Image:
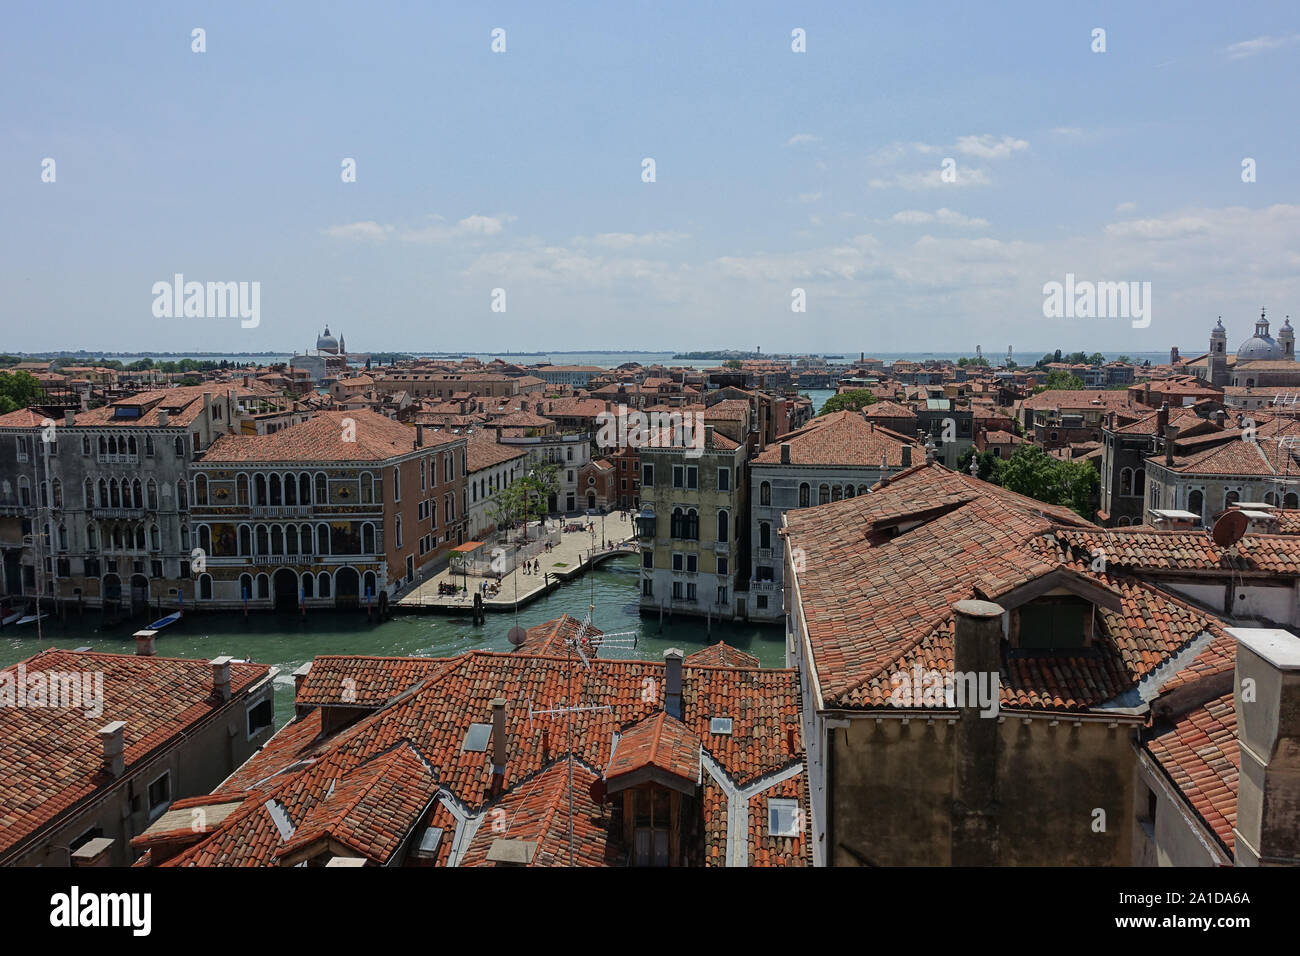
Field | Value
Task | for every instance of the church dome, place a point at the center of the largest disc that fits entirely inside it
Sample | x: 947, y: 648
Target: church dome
x: 1261, y: 345
x: 327, y: 342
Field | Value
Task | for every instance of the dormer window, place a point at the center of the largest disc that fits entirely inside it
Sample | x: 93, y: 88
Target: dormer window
x: 1055, y: 622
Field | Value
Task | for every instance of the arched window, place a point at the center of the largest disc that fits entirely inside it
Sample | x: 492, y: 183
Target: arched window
x: 836, y: 493
x: 724, y: 527
x: 259, y: 490
x: 848, y: 491
x: 765, y: 493
x: 56, y: 487
x: 245, y: 540
x: 275, y: 497
x: 765, y: 534
x: 131, y: 446
x: 241, y: 489
x: 1139, y: 482
x: 323, y: 580
x: 245, y: 587
x: 290, y: 539
x: 805, y: 493
x: 103, y: 446
x: 1231, y: 498
x: 367, y: 538
x: 115, y: 495
x: 92, y: 539
x: 45, y: 494
x: 182, y: 496
x: 1270, y: 499
x: 180, y: 447
x: 692, y: 525
x: 397, y: 529
x: 308, y: 585
x: 322, y: 494
x: 323, y: 543
x: 137, y: 494
x: 263, y: 586
x: 1126, y: 482
x: 148, y: 446
x: 368, y: 585
x: 277, y: 539
x: 823, y: 494
x: 304, y: 489
x: 1196, y: 502
x: 63, y: 538
x: 155, y: 540
x: 367, y: 488
x: 205, y: 539
x: 1291, y: 500
x: 103, y: 494
x: 263, y: 540
x: 290, y: 490
x: 676, y: 527
x: 205, y: 587
x: 305, y: 539
x: 862, y: 489
x: 185, y: 537
x: 139, y: 537
x: 151, y: 495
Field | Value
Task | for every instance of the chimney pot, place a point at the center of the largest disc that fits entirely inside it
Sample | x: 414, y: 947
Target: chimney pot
x: 221, y: 677
x: 498, y: 744
x: 673, y: 682
x: 69, y: 418
x: 162, y: 417
x: 144, y: 643
x: 112, y: 737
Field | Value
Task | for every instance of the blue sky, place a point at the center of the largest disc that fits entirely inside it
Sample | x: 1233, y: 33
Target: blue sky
x: 521, y: 170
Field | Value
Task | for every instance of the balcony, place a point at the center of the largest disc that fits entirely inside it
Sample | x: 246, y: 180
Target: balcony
x: 137, y: 513
x: 280, y: 511
x: 121, y: 459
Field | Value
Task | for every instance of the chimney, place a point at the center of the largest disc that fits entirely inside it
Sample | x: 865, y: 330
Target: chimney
x: 69, y: 418
x: 907, y: 456
x: 162, y: 417
x: 1162, y: 419
x: 785, y: 453
x: 708, y: 435
x: 1221, y: 418
x: 144, y: 643
x: 673, y: 682
x: 977, y: 655
x: 221, y: 677
x: 1146, y: 393
x: 419, y: 436
x: 245, y: 381
x: 95, y: 853
x: 111, y: 735
x: 1267, y: 701
x: 498, y: 744
x: 1171, y: 437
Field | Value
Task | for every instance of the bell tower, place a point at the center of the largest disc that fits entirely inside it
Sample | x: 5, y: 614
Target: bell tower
x: 1217, y: 373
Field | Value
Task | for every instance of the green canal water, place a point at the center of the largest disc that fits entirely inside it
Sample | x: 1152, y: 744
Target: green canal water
x: 287, y: 641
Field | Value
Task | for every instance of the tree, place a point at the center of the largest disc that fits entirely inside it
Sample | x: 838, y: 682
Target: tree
x: 1096, y: 358
x: 853, y: 400
x: 732, y: 363
x: 1060, y: 379
x: 18, y: 390
x: 979, y: 361
x: 1124, y: 360
x: 987, y: 463
x: 1032, y: 472
x: 527, y: 498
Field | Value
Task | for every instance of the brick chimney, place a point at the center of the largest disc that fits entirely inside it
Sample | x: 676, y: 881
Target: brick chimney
x: 673, y: 682
x: 221, y: 677
x: 1267, y: 701
x: 112, y: 737
x: 1171, y: 437
x: 977, y: 652
x: 69, y: 418
x: 419, y: 436
x: 498, y: 744
x: 1162, y: 419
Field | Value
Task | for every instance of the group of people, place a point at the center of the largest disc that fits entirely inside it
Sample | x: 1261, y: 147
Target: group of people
x: 532, y: 567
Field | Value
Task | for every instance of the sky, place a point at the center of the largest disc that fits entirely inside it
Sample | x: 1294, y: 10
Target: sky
x: 919, y: 171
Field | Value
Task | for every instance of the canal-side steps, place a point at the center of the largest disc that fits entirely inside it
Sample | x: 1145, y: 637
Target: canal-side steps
x: 425, y: 599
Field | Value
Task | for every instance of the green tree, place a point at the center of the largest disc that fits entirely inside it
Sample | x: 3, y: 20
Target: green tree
x: 1096, y: 358
x: 527, y: 498
x: 1060, y: 379
x: 1032, y: 472
x: 987, y: 463
x: 851, y: 401
x: 732, y: 363
x: 18, y: 390
x: 1124, y: 360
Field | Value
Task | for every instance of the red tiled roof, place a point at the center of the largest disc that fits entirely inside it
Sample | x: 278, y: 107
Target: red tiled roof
x: 721, y: 654
x: 51, y: 759
x: 841, y: 438
x: 659, y: 742
x: 1201, y: 755
x: 321, y: 438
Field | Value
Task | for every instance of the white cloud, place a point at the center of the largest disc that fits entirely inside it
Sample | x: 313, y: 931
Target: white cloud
x: 1067, y: 131
x: 1248, y: 48
x: 799, y: 139
x: 364, y: 231
x: 1126, y: 207
x: 987, y: 146
x: 943, y: 217
x: 931, y: 179
x: 627, y: 240
x: 1177, y: 228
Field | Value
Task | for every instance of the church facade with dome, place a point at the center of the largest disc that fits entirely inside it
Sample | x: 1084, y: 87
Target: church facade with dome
x: 1260, y: 361
x: 327, y: 362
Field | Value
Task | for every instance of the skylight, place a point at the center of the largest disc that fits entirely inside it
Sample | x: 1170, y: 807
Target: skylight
x: 720, y: 725
x: 782, y: 817
x: 476, y: 738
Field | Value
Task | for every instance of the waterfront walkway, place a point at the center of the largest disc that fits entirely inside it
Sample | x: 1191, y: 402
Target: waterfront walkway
x: 573, y: 556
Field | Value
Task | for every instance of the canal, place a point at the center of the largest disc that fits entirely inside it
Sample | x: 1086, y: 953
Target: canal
x: 288, y: 641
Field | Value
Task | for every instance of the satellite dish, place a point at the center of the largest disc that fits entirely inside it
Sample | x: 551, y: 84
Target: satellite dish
x: 1230, y: 527
x: 516, y: 635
